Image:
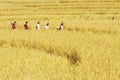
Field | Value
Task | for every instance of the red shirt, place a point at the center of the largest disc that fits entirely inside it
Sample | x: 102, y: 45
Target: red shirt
x: 26, y: 26
x: 13, y: 26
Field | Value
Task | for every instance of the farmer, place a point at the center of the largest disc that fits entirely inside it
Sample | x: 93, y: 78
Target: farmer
x: 47, y: 26
x: 13, y: 25
x: 61, y: 26
x: 38, y: 25
x: 26, y: 25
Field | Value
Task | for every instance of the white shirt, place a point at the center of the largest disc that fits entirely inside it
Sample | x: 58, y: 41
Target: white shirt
x: 61, y: 27
x: 38, y: 26
x: 46, y: 27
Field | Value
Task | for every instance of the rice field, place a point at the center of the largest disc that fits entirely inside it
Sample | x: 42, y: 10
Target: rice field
x: 87, y: 48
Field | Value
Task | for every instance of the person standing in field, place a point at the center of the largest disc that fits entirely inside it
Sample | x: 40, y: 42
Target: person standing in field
x: 26, y: 25
x: 61, y: 26
x: 38, y: 25
x: 13, y: 25
x: 47, y: 26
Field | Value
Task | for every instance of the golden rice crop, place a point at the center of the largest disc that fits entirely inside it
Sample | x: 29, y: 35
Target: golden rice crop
x: 87, y: 49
